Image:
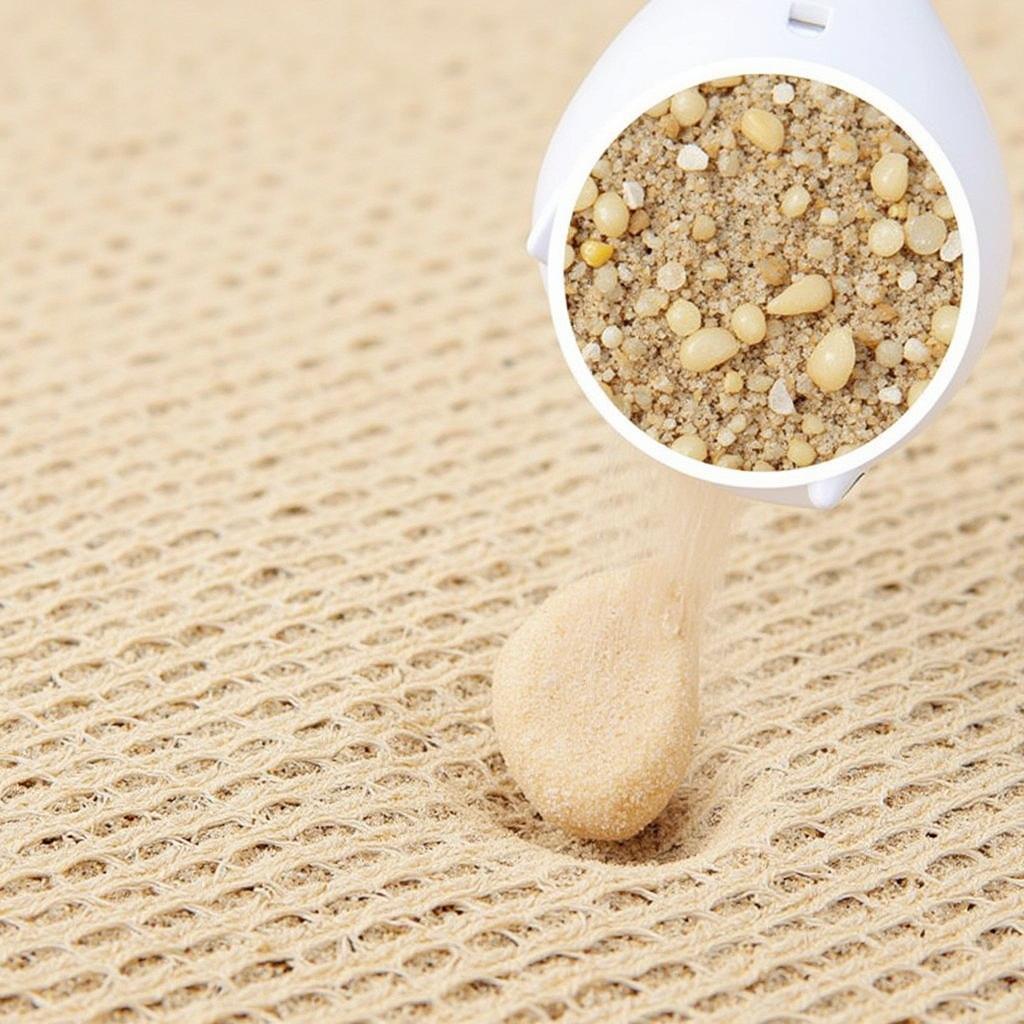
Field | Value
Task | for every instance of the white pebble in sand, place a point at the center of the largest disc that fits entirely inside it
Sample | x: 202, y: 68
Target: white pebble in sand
x: 780, y: 400
x: 595, y: 703
x: 692, y: 158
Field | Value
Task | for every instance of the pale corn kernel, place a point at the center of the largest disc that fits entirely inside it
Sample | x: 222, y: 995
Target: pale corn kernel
x: 692, y: 158
x: 795, y: 201
x: 759, y: 383
x: 729, y: 462
x: 953, y: 248
x: 926, y: 234
x: 890, y: 395
x: 828, y: 218
x: 569, y: 258
x: 783, y: 94
x: 704, y: 228
x: 890, y: 177
x: 726, y: 83
x: 774, y: 270
x: 831, y: 363
x: 671, y: 277
x: 691, y: 446
x: 611, y: 215
x: 684, y: 318
x: 591, y: 352
x: 602, y: 169
x: 611, y: 337
x: 917, y: 389
x: 889, y: 353
x: 943, y: 208
x: 587, y: 195
x: 748, y: 324
x: 915, y: 351
x: 812, y: 425
x: 733, y: 383
x: 779, y: 399
x: 763, y: 467
x: 724, y: 438
x: 944, y: 323
x: 844, y: 150
x: 688, y: 107
x: 650, y: 302
x: 810, y: 294
x: 885, y: 237
x: 595, y: 253
x: 707, y: 348
x: 659, y: 109
x: 714, y: 270
x: 738, y: 423
x: 763, y: 129
x: 800, y: 453
x: 844, y: 449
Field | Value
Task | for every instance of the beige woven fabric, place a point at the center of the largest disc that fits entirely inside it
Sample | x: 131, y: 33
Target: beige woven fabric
x: 287, y: 450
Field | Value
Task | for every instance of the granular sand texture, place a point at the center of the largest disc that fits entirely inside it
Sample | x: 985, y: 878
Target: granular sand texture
x: 595, y: 697
x: 763, y: 273
x: 595, y: 704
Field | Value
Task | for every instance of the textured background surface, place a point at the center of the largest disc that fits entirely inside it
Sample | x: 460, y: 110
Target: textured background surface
x: 286, y: 451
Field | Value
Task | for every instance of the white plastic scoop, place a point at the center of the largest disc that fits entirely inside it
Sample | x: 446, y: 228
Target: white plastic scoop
x: 893, y: 54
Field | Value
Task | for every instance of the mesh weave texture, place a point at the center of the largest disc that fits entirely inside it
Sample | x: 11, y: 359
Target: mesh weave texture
x: 287, y: 450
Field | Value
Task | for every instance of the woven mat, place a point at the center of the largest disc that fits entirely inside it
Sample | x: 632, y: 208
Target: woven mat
x: 287, y: 450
